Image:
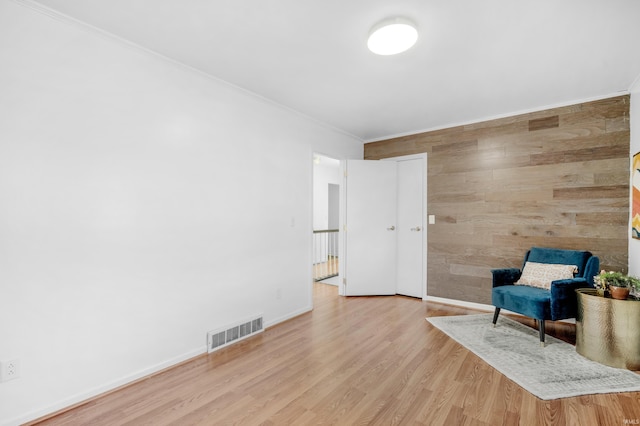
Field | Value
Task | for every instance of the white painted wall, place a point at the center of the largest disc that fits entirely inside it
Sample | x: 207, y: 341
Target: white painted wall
x: 142, y: 204
x: 634, y: 244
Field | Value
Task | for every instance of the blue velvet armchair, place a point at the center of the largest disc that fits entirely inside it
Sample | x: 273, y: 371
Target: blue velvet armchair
x: 559, y: 302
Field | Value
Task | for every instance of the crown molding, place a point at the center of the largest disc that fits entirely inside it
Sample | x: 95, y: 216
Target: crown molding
x: 506, y: 115
x: 66, y: 19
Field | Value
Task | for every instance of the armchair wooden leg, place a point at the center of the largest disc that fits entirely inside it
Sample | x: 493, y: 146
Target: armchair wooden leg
x: 495, y: 316
x: 541, y: 330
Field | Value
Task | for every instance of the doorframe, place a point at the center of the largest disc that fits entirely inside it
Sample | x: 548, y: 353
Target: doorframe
x: 341, y: 160
x: 425, y: 163
x: 342, y: 218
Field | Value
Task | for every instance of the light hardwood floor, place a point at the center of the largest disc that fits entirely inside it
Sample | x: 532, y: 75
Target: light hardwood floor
x: 352, y: 361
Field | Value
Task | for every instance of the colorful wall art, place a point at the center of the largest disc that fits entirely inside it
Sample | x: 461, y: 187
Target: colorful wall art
x: 635, y: 210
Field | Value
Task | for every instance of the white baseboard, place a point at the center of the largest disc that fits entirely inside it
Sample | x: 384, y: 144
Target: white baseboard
x: 288, y: 317
x: 480, y: 306
x: 100, y: 390
x: 461, y: 303
x: 123, y: 381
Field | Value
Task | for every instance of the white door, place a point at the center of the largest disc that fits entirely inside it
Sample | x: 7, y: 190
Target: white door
x: 410, y: 228
x: 370, y: 235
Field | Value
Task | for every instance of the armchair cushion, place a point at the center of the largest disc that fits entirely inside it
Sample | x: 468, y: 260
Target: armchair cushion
x: 529, y: 301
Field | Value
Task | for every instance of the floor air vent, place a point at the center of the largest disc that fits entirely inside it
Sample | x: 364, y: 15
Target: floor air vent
x: 225, y: 336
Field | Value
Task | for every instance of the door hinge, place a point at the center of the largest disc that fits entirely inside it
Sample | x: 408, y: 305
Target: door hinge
x: 344, y: 282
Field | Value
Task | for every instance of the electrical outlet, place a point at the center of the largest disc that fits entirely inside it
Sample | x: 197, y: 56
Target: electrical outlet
x: 9, y: 370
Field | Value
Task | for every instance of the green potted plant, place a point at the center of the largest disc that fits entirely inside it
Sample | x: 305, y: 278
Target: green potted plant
x: 617, y: 284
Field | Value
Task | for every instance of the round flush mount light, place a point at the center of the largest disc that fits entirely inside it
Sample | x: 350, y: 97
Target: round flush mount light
x: 392, y: 36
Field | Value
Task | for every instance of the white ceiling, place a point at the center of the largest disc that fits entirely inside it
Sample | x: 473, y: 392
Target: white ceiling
x: 474, y: 59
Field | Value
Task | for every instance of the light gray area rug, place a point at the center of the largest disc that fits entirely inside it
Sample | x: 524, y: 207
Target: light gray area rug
x: 555, y: 371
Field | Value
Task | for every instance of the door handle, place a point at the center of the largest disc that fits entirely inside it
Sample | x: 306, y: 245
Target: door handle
x: 417, y: 229
x: 391, y: 228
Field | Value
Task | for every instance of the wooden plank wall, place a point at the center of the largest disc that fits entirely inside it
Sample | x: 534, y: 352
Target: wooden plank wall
x: 554, y: 178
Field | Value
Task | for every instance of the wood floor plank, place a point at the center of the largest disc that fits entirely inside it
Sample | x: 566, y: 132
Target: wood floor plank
x: 351, y: 361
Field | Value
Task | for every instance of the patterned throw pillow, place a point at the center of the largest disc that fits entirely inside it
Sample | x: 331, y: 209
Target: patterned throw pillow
x: 541, y: 274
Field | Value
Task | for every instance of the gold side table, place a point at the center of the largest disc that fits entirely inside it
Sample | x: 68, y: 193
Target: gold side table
x: 608, y: 330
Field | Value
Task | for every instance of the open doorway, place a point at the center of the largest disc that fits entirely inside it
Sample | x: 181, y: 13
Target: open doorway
x: 326, y: 207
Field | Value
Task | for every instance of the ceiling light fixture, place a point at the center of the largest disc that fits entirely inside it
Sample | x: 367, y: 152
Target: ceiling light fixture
x: 392, y: 36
